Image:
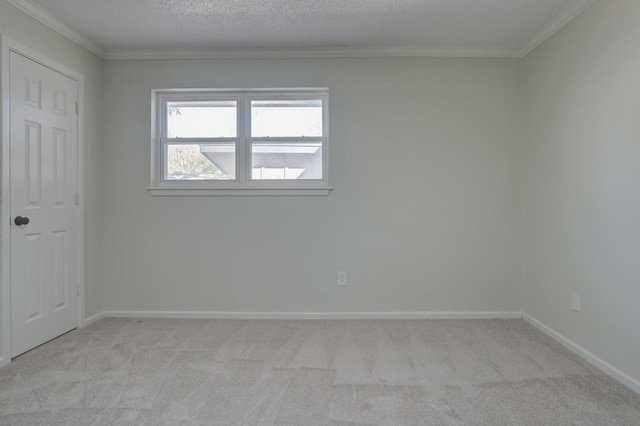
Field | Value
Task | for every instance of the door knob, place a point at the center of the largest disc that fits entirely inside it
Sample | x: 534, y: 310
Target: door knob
x: 19, y: 221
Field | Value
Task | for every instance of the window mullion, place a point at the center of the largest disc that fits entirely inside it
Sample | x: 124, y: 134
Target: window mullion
x: 245, y: 140
x: 284, y: 139
x: 191, y: 141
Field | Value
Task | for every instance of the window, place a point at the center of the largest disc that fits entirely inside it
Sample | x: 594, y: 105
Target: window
x: 249, y: 142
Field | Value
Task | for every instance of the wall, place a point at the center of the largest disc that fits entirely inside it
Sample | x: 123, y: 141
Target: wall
x: 425, y: 214
x: 32, y: 34
x: 582, y: 191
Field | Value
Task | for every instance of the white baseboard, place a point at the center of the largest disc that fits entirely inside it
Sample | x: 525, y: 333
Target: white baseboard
x: 4, y: 361
x: 303, y: 315
x: 607, y: 368
x: 94, y: 318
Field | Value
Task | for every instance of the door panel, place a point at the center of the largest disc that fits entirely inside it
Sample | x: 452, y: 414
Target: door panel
x: 43, y: 162
x: 33, y: 278
x: 33, y: 162
x: 59, y: 166
x: 60, y: 273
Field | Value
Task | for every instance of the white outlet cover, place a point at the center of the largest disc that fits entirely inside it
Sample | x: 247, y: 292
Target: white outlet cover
x: 576, y: 303
x: 342, y: 279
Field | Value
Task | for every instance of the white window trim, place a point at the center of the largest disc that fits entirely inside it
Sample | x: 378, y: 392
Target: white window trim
x: 243, y: 185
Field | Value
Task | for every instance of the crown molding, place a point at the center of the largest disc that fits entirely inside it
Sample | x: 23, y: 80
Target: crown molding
x: 36, y: 12
x: 315, y: 52
x: 50, y: 21
x: 572, y: 11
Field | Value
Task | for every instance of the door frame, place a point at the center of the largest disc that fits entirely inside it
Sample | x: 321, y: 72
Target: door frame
x: 7, y: 46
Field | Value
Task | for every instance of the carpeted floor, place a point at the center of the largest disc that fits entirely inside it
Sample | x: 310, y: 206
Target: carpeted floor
x: 241, y: 372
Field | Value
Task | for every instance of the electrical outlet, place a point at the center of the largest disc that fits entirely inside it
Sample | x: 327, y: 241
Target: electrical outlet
x: 576, y: 302
x: 342, y: 279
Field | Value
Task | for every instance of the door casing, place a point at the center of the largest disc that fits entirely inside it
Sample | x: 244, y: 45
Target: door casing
x: 6, y: 46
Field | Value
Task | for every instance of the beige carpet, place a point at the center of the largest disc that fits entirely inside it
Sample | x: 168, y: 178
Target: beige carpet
x: 237, y: 372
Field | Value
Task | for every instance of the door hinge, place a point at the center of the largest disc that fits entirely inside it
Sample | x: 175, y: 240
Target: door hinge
x: 77, y: 108
x: 77, y: 199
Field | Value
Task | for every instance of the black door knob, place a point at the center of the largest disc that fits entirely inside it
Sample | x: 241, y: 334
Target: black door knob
x: 19, y: 221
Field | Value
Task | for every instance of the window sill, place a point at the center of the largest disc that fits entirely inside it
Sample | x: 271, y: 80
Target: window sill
x: 235, y: 192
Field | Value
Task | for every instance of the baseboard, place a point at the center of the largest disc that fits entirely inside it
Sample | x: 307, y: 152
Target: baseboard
x: 607, y: 368
x: 4, y: 361
x: 94, y: 318
x: 303, y: 315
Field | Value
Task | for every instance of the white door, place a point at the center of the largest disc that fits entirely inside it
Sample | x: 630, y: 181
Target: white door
x: 43, y: 162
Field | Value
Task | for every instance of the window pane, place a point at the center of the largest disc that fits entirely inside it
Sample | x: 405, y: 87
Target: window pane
x: 201, y: 161
x: 206, y: 119
x: 288, y: 118
x: 286, y: 160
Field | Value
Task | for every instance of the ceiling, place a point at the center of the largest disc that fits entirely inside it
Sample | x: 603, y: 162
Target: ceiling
x: 113, y: 28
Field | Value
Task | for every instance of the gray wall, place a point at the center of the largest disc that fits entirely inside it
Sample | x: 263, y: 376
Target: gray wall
x: 425, y: 214
x: 582, y: 193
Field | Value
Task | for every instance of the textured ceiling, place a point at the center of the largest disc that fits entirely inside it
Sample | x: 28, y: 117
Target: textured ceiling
x: 236, y: 24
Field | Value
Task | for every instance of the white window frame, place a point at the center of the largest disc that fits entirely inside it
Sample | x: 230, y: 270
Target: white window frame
x: 243, y: 184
